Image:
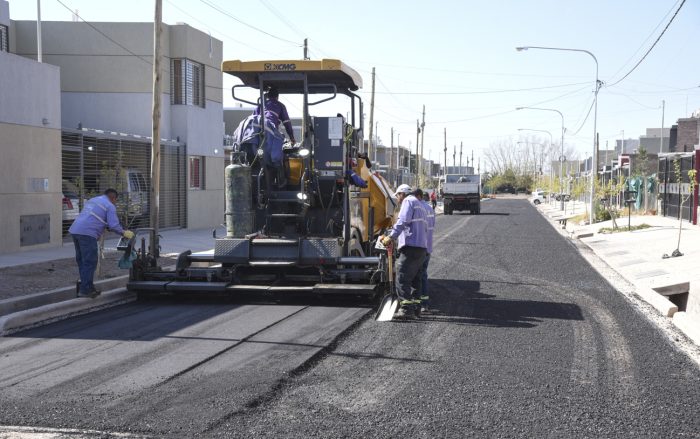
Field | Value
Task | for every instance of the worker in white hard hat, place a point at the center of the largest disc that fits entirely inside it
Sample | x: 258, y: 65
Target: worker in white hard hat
x: 411, y: 232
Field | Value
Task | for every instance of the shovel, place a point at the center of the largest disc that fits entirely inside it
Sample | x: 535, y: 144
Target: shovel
x: 390, y: 301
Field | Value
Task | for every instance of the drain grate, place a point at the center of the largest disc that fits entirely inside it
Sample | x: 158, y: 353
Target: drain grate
x: 631, y: 262
x: 650, y: 273
x: 617, y: 253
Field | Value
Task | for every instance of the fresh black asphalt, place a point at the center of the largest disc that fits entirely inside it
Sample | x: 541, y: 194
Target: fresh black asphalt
x: 527, y: 341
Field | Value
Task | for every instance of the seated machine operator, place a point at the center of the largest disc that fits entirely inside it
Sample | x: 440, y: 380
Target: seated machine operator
x: 275, y: 114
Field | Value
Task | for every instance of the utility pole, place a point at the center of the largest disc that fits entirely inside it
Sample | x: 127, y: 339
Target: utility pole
x: 371, y: 118
x: 444, y: 172
x: 472, y: 159
x: 417, y: 167
x: 661, y: 136
x: 376, y: 138
x: 306, y: 48
x: 38, y: 31
x: 454, y: 155
x: 391, y: 152
x: 155, y: 135
x: 422, y: 139
x: 478, y: 167
x: 460, y: 158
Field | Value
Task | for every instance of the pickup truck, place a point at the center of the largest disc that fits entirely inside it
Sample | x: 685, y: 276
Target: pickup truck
x: 462, y: 192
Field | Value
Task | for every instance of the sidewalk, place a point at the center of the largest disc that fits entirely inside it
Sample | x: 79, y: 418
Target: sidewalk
x: 671, y: 285
x: 172, y: 242
x: 39, y: 285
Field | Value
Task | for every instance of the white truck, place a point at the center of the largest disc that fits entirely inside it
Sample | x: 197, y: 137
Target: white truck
x: 461, y: 192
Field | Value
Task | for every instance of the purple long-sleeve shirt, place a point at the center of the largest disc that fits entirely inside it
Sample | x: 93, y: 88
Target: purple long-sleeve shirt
x: 98, y: 214
x: 431, y: 225
x: 411, y: 227
x: 276, y: 112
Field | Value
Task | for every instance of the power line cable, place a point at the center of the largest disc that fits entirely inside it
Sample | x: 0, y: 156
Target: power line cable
x: 231, y: 16
x: 105, y: 35
x: 586, y: 118
x: 215, y: 30
x: 651, y: 34
x: 282, y: 18
x: 652, y: 46
x: 464, y: 72
x: 514, y: 90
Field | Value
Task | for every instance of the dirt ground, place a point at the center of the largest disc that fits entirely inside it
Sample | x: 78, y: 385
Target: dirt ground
x: 33, y: 278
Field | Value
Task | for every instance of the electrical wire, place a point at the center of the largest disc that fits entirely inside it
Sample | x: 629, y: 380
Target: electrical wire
x: 514, y: 90
x: 231, y: 16
x: 464, y: 72
x: 651, y: 34
x: 634, y: 100
x: 215, y: 30
x: 652, y: 46
x: 104, y: 34
x: 585, y: 119
x: 282, y: 18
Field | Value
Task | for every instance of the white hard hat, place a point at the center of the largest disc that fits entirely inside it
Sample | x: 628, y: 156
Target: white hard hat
x: 403, y: 189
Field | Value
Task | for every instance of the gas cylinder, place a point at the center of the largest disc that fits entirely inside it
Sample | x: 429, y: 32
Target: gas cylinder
x: 239, y: 198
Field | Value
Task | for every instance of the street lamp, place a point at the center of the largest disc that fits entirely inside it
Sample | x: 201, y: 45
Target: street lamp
x: 561, y: 158
x: 598, y: 83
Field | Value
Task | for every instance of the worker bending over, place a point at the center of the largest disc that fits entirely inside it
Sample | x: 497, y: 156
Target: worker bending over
x: 411, y: 231
x: 98, y: 214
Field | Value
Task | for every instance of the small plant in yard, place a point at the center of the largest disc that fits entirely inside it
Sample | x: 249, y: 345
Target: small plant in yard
x: 684, y: 195
x: 607, y: 192
x: 607, y: 230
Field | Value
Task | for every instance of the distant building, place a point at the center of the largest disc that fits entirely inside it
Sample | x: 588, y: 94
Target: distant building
x: 107, y: 89
x: 626, y: 146
x: 687, y: 135
x: 30, y: 141
x: 654, y: 139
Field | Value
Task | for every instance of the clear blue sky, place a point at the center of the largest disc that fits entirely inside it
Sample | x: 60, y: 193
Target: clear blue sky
x: 454, y: 51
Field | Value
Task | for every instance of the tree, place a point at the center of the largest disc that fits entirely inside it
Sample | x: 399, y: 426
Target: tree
x: 641, y: 169
x: 604, y: 193
x: 684, y: 196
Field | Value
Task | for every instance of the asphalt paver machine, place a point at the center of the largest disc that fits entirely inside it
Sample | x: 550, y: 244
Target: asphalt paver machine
x: 305, y: 227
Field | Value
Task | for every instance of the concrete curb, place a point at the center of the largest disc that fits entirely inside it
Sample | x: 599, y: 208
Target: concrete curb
x: 658, y: 301
x: 688, y: 324
x: 62, y: 310
x: 16, y: 304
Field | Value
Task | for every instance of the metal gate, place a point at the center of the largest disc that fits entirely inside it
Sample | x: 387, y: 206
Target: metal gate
x: 93, y: 161
x: 672, y: 191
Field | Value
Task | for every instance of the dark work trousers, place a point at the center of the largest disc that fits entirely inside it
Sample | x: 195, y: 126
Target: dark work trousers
x: 424, y: 296
x: 86, y: 257
x: 408, y: 268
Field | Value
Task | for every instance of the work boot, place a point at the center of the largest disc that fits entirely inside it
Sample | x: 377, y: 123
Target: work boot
x: 90, y: 294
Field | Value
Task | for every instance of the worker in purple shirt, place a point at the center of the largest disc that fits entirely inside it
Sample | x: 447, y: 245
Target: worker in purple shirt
x: 276, y: 112
x: 425, y: 297
x: 98, y: 214
x: 411, y: 231
x: 273, y: 156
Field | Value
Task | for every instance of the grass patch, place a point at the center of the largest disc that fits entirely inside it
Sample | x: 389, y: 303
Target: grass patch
x: 605, y: 230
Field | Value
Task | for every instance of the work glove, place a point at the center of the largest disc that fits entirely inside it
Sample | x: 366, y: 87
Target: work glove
x: 128, y: 234
x: 386, y: 241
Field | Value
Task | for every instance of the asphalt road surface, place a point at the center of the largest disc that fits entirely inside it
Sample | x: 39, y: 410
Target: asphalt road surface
x: 527, y: 341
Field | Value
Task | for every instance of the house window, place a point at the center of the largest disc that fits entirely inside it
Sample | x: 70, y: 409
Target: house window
x: 186, y: 83
x: 4, y: 39
x: 196, y: 172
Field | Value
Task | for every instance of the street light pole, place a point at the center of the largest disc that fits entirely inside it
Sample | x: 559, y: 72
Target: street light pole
x: 561, y: 158
x: 598, y: 83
